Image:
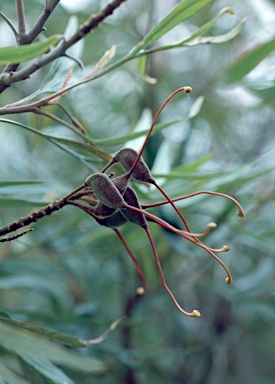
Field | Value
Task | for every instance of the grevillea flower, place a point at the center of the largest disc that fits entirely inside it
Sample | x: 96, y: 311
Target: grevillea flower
x: 112, y: 202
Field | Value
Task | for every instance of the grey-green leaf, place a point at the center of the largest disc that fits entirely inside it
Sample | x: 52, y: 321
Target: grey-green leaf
x: 47, y: 370
x: 248, y: 61
x: 7, y: 376
x: 27, y: 345
x: 23, y: 53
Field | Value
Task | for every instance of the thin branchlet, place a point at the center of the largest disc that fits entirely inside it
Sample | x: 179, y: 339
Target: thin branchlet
x: 44, y: 211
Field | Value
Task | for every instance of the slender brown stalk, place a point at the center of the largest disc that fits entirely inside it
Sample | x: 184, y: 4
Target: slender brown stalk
x: 21, y: 18
x: 134, y: 260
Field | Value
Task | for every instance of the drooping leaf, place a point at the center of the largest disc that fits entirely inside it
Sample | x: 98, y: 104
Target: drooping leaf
x: 206, y: 27
x: 23, y: 53
x: 235, y: 177
x: 181, y: 12
x: 54, y: 291
x: 7, y: 376
x: 198, y: 38
x: 47, y: 370
x: 268, y: 94
x: 50, y: 334
x: 16, y: 183
x: 59, y: 68
x: 133, y: 135
x: 60, y: 337
x: 194, y: 110
x: 27, y: 345
x: 196, y: 107
x: 59, y: 141
x: 219, y: 39
x: 141, y: 63
x: 248, y: 61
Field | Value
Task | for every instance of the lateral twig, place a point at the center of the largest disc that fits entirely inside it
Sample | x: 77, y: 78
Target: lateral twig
x: 5, y: 239
x: 9, y: 76
x: 44, y: 211
x: 21, y: 18
x: 10, y: 24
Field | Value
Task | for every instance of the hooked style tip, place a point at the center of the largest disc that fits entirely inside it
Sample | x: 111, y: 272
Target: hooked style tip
x: 240, y: 212
x: 187, y: 89
x: 228, y: 280
x: 225, y: 248
x: 140, y: 291
x: 212, y: 225
x: 196, y: 313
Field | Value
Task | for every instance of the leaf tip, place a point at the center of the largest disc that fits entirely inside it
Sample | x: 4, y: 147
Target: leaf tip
x: 228, y: 10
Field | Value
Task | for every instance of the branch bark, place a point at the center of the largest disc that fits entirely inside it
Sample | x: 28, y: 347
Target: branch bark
x: 42, y: 212
x: 27, y: 39
x: 21, y: 18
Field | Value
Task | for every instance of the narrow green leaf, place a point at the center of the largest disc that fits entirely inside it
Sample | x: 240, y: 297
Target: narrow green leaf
x: 196, y: 107
x: 22, y: 189
x: 141, y: 64
x: 7, y: 376
x: 23, y: 53
x: 219, y: 39
x: 26, y: 345
x: 50, y: 334
x: 194, y: 110
x: 181, y: 12
x: 60, y: 337
x: 268, y: 94
x: 16, y: 203
x: 58, y: 140
x: 237, y: 179
x: 206, y: 27
x: 197, y: 38
x: 118, y: 140
x: 59, y: 69
x: 44, y: 286
x: 225, y: 37
x: 217, y: 179
x: 262, y: 243
x: 47, y: 370
x: 192, y: 167
x: 248, y: 61
x: 15, y: 183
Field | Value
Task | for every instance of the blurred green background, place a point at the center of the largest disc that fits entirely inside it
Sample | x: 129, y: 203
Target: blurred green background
x: 72, y: 276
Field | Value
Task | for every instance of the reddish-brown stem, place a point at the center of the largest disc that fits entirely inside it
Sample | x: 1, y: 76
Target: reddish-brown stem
x: 240, y: 212
x: 185, y: 235
x: 134, y: 260
x: 175, y: 208
x: 186, y: 90
x: 194, y: 313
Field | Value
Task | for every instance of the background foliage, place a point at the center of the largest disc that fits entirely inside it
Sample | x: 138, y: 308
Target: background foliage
x: 74, y: 277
